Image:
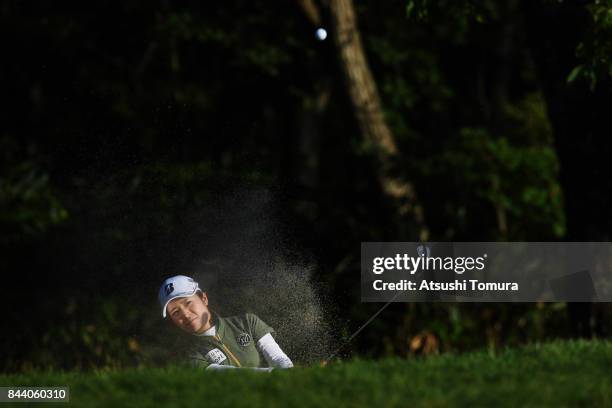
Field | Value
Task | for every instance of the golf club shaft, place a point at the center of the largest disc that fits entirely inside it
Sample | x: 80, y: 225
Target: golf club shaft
x: 363, y: 326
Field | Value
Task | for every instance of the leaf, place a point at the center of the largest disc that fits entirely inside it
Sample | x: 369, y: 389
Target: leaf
x: 409, y: 8
x: 575, y: 73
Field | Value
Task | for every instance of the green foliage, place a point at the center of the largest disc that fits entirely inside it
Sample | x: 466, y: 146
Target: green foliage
x: 486, y: 151
x: 595, y: 50
x: 27, y: 200
x: 29, y: 204
x: 521, y: 179
x: 84, y: 334
x: 554, y: 374
x: 244, y: 45
x: 454, y: 19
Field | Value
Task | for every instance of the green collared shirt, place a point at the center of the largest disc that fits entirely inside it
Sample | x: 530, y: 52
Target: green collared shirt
x: 235, y: 342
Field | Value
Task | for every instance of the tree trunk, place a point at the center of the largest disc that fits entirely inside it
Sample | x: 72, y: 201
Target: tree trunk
x: 370, y: 117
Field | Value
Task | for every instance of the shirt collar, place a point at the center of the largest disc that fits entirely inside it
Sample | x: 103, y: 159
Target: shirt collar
x: 219, y: 323
x: 210, y: 332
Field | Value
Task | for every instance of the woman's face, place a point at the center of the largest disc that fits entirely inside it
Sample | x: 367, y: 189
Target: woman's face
x: 191, y: 313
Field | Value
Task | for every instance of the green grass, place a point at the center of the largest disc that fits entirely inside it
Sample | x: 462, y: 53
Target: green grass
x: 556, y: 374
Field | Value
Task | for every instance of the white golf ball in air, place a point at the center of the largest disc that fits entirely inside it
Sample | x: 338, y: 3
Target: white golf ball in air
x: 321, y: 34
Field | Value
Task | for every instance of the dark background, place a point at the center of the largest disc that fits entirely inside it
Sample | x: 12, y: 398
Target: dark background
x: 141, y: 140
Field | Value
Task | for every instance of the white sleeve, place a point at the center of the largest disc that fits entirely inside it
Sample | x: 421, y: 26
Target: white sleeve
x: 272, y: 352
x: 221, y: 367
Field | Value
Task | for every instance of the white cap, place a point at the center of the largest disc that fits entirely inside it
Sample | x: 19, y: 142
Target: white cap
x: 176, y: 287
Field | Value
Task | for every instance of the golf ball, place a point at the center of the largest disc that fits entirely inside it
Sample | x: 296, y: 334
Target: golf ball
x: 321, y: 34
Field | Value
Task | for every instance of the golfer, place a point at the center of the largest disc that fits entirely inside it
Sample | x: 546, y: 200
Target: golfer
x: 243, y: 341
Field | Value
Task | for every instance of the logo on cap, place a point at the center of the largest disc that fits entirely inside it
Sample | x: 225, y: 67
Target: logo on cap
x: 169, y: 288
